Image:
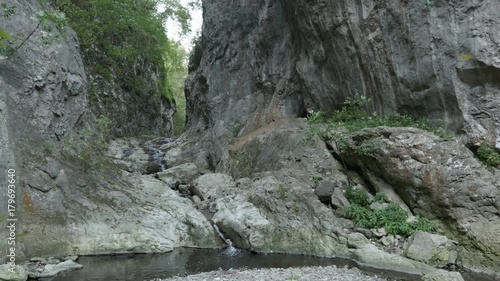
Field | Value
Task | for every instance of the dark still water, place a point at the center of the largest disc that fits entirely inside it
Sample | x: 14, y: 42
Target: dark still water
x: 187, y: 261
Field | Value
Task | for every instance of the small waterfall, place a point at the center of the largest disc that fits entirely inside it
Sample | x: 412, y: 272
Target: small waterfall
x: 157, y: 154
x: 158, y: 157
x: 230, y: 249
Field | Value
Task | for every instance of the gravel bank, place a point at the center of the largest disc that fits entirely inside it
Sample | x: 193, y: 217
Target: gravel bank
x: 328, y: 273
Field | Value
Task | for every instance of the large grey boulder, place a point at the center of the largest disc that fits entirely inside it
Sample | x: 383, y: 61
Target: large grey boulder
x: 269, y: 216
x: 430, y: 248
x: 18, y: 274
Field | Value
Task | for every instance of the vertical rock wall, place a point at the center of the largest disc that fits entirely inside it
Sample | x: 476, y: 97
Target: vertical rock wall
x: 263, y: 60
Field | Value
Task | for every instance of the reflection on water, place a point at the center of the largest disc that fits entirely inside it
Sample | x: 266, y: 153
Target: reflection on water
x: 187, y: 261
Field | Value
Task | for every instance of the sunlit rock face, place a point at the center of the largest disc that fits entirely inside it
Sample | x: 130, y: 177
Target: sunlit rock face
x: 259, y: 61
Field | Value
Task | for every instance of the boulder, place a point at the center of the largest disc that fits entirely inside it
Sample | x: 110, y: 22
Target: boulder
x: 370, y: 255
x: 357, y: 240
x: 206, y: 186
x: 269, y: 216
x: 50, y: 270
x: 339, y: 200
x: 324, y: 191
x: 184, y: 174
x: 18, y: 274
x: 430, y: 248
x: 442, y: 275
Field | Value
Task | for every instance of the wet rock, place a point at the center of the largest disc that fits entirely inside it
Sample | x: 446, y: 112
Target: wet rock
x: 442, y: 275
x: 152, y: 168
x: 50, y: 270
x: 430, y: 248
x: 70, y: 258
x: 19, y: 273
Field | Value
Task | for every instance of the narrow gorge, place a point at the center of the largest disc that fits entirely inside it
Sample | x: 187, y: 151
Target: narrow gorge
x: 367, y: 131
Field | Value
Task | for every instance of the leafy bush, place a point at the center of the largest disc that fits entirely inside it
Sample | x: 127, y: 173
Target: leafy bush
x: 380, y: 198
x: 392, y: 217
x: 122, y: 39
x: 358, y: 196
x: 488, y: 155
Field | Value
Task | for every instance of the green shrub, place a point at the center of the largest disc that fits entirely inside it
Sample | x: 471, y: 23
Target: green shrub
x: 380, y: 198
x: 393, y: 218
x: 358, y: 196
x: 122, y: 39
x: 488, y: 155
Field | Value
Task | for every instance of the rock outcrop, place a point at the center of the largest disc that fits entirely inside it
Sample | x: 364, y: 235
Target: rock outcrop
x: 440, y: 179
x: 437, y: 59
x: 43, y: 101
x: 70, y: 201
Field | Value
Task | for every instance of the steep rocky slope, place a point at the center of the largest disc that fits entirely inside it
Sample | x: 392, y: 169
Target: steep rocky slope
x: 437, y: 59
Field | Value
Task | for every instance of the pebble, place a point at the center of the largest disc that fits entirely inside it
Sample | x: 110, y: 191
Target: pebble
x: 327, y: 273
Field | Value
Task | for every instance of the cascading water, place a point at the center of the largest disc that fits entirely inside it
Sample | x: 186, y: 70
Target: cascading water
x: 230, y: 249
x: 157, y: 154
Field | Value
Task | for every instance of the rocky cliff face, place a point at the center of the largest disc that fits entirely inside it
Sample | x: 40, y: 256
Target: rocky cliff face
x: 263, y: 60
x: 267, y: 60
x: 63, y: 204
